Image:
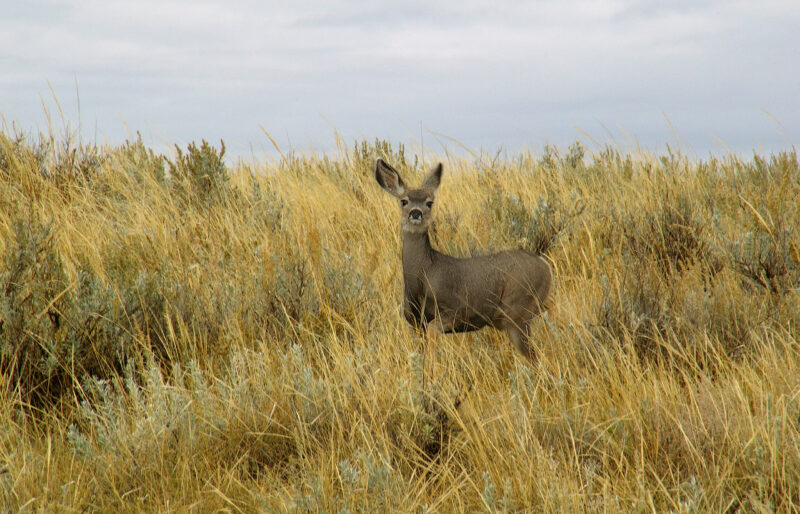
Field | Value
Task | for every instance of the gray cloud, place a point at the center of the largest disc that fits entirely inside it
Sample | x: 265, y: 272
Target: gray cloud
x: 510, y: 73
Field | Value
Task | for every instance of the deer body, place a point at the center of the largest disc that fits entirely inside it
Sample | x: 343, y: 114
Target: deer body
x: 504, y: 290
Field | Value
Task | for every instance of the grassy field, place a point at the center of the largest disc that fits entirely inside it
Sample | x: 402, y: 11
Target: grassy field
x: 182, y: 334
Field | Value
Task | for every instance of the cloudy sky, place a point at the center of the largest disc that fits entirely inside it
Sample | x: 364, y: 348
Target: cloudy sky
x: 706, y: 77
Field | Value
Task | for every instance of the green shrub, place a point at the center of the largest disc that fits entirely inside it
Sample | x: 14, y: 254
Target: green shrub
x: 365, y: 153
x: 674, y: 235
x: 636, y: 311
x: 764, y: 246
x: 53, y: 329
x: 140, y: 162
x: 534, y: 228
x: 61, y: 163
x: 200, y: 176
x: 768, y: 257
x: 572, y: 161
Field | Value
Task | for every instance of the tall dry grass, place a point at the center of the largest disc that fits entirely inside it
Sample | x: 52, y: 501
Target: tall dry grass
x: 182, y: 334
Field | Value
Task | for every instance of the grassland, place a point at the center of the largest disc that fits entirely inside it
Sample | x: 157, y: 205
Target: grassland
x: 182, y: 334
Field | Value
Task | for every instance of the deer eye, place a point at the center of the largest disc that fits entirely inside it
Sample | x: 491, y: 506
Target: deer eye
x: 429, y: 203
x: 403, y: 202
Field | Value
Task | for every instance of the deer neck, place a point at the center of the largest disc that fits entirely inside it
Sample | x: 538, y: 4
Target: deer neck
x: 418, y: 254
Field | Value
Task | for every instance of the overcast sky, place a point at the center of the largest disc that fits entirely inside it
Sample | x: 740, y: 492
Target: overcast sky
x: 706, y: 77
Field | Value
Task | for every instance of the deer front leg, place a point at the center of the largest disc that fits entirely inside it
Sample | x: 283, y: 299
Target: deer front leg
x: 520, y: 337
x: 433, y: 329
x: 437, y: 326
x: 442, y: 322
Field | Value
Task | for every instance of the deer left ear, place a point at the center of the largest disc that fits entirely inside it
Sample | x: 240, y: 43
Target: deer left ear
x: 433, y: 179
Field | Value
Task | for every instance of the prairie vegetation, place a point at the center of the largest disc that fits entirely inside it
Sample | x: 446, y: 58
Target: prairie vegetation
x: 178, y: 333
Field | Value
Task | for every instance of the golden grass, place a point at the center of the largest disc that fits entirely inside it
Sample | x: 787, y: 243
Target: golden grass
x: 250, y: 353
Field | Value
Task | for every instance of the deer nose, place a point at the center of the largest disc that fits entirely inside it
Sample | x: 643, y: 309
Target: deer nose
x: 415, y: 214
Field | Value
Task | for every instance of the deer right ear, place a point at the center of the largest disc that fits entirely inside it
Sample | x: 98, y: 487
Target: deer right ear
x: 434, y: 178
x: 389, y: 179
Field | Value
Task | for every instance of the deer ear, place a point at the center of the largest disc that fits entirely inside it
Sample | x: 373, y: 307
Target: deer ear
x: 434, y: 178
x: 389, y: 179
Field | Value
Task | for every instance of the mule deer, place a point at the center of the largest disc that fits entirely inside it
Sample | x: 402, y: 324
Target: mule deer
x: 444, y: 294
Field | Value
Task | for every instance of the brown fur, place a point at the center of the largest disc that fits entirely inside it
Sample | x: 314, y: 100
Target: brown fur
x: 504, y: 290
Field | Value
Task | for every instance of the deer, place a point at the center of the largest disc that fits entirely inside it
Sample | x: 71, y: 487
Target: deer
x: 445, y: 294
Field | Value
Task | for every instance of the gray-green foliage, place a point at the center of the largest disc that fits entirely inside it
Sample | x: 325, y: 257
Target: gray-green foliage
x: 768, y: 257
x: 534, y: 227
x: 140, y: 162
x: 672, y: 234
x: 200, y: 175
x: 52, y: 327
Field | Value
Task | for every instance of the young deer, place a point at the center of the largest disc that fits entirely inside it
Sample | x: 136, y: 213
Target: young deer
x: 504, y: 290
